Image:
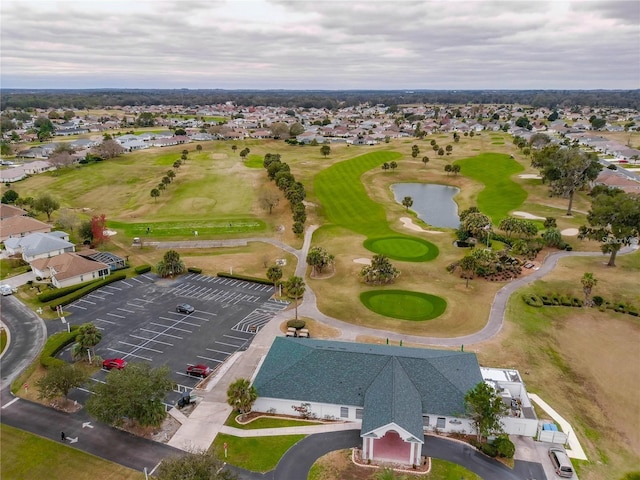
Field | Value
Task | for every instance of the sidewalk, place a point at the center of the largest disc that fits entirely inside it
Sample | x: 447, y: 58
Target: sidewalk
x: 575, y: 449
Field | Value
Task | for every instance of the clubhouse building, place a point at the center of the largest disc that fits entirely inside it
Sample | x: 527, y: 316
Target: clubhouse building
x: 396, y: 394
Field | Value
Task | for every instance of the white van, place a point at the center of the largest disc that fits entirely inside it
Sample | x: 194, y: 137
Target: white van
x: 561, y: 463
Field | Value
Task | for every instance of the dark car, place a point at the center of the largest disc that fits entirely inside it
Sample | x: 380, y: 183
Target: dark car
x: 198, y: 370
x: 185, y: 308
x: 111, y: 363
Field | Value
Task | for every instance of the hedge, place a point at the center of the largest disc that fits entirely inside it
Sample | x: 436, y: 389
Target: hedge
x: 532, y: 300
x: 140, y: 269
x: 194, y: 270
x: 49, y: 295
x: 262, y: 281
x: 54, y: 344
x: 504, y: 447
x: 296, y: 323
x: 570, y: 301
x: 72, y: 297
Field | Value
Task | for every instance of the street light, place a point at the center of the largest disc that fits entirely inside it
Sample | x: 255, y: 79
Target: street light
x: 487, y: 228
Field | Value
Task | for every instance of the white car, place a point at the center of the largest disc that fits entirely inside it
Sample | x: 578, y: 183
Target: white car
x: 6, y: 289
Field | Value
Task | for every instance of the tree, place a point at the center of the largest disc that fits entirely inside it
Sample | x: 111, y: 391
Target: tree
x: 60, y: 380
x: 177, y: 164
x: 88, y: 337
x: 44, y: 128
x: 385, y: 166
x: 47, y: 204
x: 566, y: 169
x: 440, y: 151
x: 448, y: 168
x: 407, y: 202
x: 588, y: 282
x: 415, y: 151
x: 155, y: 193
x: 550, y: 222
x: 145, y: 119
x: 468, y: 266
x: 241, y: 395
x: 614, y: 220
x: 552, y: 237
x: 10, y: 196
x: 519, y: 226
x: 297, y: 228
x: 85, y: 231
x: 296, y: 129
x: 393, y: 165
x: 98, y: 227
x: 199, y: 465
x: 455, y: 169
x: 165, y: 180
x: 294, y: 288
x: 539, y: 140
x: 244, y: 152
x: 425, y: 160
x: 135, y: 393
x: 381, y: 271
x: 474, y: 222
x: 268, y: 200
x: 179, y: 132
x: 319, y: 259
x: 170, y: 264
x: 199, y: 148
x: 485, y: 409
x: 280, y: 130
x: 108, y: 149
x: 449, y: 149
x: 325, y: 150
x: 274, y: 274
x: 171, y: 174
x: 67, y: 220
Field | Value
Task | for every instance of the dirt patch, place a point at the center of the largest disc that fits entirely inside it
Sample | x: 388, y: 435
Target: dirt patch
x: 362, y: 261
x: 530, y: 175
x: 408, y: 223
x: 570, y: 232
x: 528, y: 216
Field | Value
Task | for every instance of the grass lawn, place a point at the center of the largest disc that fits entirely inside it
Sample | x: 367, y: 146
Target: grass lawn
x: 28, y: 457
x: 3, y: 339
x: 501, y: 195
x: 346, y: 203
x: 404, y: 305
x: 11, y: 267
x: 254, y: 161
x: 267, y: 422
x: 180, y: 229
x: 258, y: 454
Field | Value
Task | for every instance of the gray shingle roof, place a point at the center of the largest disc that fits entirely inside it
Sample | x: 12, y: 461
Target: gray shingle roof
x: 395, y: 378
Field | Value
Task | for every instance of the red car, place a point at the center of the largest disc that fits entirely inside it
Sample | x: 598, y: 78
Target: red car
x: 198, y: 370
x: 110, y: 363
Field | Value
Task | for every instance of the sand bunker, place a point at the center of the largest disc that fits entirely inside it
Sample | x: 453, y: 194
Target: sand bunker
x: 408, y: 223
x: 528, y: 216
x: 570, y: 232
x: 530, y: 175
x: 362, y: 261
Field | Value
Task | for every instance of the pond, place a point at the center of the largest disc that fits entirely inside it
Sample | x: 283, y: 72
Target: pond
x: 433, y: 203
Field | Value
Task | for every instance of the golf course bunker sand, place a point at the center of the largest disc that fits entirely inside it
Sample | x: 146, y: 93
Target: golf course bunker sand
x: 570, y: 232
x: 530, y: 175
x: 528, y: 216
x: 408, y: 223
x: 362, y: 261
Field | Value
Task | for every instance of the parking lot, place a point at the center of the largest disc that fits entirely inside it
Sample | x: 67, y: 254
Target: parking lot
x: 139, y: 321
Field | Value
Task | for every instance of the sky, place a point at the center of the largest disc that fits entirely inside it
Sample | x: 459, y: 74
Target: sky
x: 325, y: 44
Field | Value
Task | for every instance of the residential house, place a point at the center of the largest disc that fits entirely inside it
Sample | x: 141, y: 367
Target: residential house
x: 69, y: 269
x: 8, y: 211
x: 20, y: 226
x: 39, y: 245
x: 396, y: 394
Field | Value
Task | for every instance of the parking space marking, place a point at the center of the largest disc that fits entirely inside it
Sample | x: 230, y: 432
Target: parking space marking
x: 134, y: 278
x: 105, y: 321
x: 211, y: 359
x: 111, y: 286
x: 181, y: 321
x: 134, y: 305
x: 115, y: 315
x: 219, y: 351
x: 161, y: 333
x: 169, y: 326
x: 141, y: 346
x: 86, y: 301
x: 73, y: 305
x: 143, y: 300
x: 129, y: 354
x: 226, y: 344
x: 191, y: 315
x: 236, y: 338
x: 125, y: 310
x: 152, y: 340
x: 128, y: 284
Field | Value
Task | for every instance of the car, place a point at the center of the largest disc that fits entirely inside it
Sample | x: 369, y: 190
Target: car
x: 185, y: 308
x: 198, y: 370
x: 6, y: 289
x: 111, y: 363
x: 561, y: 463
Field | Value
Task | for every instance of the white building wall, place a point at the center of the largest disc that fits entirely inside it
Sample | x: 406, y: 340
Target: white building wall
x: 451, y: 424
x: 321, y: 410
x: 520, y: 426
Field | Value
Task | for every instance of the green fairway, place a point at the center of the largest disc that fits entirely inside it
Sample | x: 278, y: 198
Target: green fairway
x: 405, y: 305
x: 28, y: 457
x: 347, y: 204
x: 501, y: 195
x: 254, y: 161
x: 181, y: 229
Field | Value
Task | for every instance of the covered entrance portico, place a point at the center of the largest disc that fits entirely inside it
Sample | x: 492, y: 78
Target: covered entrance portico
x: 391, y: 443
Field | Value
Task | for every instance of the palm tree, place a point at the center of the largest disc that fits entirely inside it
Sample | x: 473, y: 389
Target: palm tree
x: 588, y: 282
x: 241, y: 395
x: 295, y: 288
x: 274, y: 273
x: 170, y: 264
x: 468, y: 266
x: 407, y: 202
x: 86, y: 340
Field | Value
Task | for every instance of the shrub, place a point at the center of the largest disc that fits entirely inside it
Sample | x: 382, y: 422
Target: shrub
x: 621, y: 308
x: 532, y: 300
x: 555, y: 299
x: 296, y: 323
x: 61, y: 292
x: 576, y: 302
x: 194, y: 270
x: 598, y: 300
x: 565, y: 301
x: 486, y: 448
x: 54, y: 344
x: 632, y: 310
x: 546, y: 300
x: 142, y: 269
x: 504, y: 447
x: 262, y: 281
x: 72, y: 297
x: 568, y: 247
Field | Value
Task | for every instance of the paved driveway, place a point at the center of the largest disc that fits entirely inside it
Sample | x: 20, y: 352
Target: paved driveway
x: 139, y: 321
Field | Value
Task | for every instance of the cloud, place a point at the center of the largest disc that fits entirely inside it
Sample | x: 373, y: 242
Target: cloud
x: 323, y: 44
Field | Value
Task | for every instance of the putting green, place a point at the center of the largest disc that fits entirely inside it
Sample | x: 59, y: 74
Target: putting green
x: 403, y: 304
x: 346, y: 203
